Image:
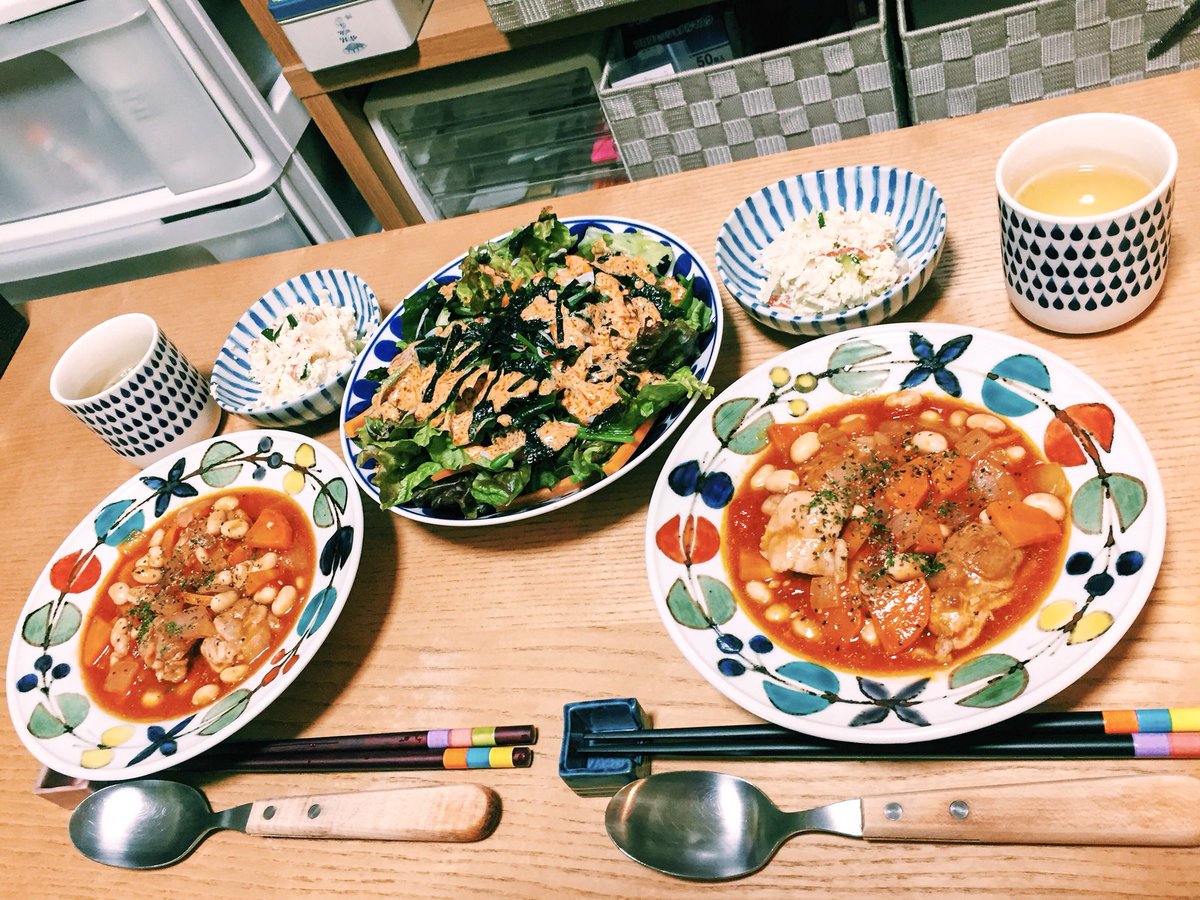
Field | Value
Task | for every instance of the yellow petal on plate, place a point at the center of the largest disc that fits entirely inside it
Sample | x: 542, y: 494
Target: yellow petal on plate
x: 1090, y: 627
x: 306, y: 456
x: 116, y: 736
x: 293, y: 481
x: 797, y: 407
x: 780, y: 376
x: 96, y: 759
x: 1056, y: 615
x: 806, y: 382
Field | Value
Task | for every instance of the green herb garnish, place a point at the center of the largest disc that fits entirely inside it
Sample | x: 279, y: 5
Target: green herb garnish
x: 820, y: 220
x: 271, y: 335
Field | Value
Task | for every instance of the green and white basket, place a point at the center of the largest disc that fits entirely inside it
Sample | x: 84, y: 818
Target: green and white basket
x: 513, y: 15
x: 1036, y: 50
x: 812, y: 93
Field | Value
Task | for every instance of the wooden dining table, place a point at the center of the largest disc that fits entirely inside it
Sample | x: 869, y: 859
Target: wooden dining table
x: 453, y: 627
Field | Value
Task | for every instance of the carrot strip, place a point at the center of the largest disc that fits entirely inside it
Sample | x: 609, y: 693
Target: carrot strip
x: 1022, y: 524
x: 625, y: 451
x: 353, y: 426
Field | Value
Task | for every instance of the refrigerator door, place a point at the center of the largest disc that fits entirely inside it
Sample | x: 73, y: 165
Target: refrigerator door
x: 97, y: 103
x: 263, y: 225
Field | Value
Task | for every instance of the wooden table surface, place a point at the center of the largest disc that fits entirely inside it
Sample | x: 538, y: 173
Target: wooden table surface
x: 454, y: 627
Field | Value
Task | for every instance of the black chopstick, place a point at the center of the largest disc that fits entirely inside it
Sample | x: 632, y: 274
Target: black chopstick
x: 1085, y: 722
x: 1177, y: 32
x: 373, y: 761
x: 1103, y: 746
x: 384, y: 742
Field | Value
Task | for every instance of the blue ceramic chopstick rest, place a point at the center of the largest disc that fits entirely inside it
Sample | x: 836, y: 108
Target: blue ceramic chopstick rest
x: 591, y: 775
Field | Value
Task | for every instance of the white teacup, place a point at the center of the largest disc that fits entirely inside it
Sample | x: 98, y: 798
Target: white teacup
x: 1078, y: 274
x: 129, y: 384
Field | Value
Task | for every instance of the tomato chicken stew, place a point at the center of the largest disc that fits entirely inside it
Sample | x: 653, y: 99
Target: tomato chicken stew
x: 895, y: 534
x: 196, y: 603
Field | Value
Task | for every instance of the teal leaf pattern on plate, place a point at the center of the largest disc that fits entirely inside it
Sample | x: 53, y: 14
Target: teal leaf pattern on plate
x: 226, y: 711
x: 213, y: 473
x: 730, y: 415
x: 753, y: 437
x: 684, y: 609
x: 1023, y: 369
x: 52, y: 624
x: 718, y: 598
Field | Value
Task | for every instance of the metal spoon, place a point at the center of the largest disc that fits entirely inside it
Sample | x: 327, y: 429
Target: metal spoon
x: 150, y: 824
x: 708, y: 826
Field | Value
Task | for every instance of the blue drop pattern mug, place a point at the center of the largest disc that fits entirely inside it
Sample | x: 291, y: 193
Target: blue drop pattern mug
x: 1084, y: 274
x: 131, y: 386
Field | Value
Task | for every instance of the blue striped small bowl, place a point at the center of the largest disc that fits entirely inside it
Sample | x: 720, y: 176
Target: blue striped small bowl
x: 914, y: 204
x: 237, y: 392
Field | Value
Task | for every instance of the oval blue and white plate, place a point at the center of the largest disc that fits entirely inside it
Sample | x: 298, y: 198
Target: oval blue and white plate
x: 1117, y: 531
x: 913, y: 203
x: 382, y: 348
x: 52, y: 712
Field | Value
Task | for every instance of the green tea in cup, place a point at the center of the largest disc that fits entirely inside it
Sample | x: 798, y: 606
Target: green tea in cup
x: 1083, y: 189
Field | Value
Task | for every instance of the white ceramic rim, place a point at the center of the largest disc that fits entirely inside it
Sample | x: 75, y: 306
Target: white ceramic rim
x: 1135, y: 121
x: 67, y: 359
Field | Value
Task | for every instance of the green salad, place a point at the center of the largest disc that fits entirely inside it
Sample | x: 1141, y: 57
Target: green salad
x: 537, y: 372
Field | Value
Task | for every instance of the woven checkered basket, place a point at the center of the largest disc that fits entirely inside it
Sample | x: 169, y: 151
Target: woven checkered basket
x: 813, y: 93
x: 513, y: 15
x: 1036, y: 50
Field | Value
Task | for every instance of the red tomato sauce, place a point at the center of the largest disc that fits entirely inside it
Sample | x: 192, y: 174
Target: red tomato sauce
x: 906, y: 505
x: 134, y: 690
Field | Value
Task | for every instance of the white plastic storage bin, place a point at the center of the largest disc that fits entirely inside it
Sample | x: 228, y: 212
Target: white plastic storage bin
x: 115, y: 111
x: 497, y: 131
x: 264, y: 225
x: 327, y: 33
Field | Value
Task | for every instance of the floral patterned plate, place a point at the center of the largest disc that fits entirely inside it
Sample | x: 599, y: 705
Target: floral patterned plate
x: 47, y: 699
x: 1117, y: 519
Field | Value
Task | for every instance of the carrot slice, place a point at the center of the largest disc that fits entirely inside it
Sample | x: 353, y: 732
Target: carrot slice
x: 1022, y: 524
x: 949, y: 476
x: 929, y: 537
x: 271, y: 530
x: 855, y: 534
x: 901, y: 614
x: 353, y: 426
x: 908, y: 488
x: 625, y: 451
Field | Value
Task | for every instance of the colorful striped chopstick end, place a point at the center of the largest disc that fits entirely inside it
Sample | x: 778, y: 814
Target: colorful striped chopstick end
x: 487, y: 758
x: 495, y: 736
x: 1181, y: 745
x: 1152, y: 721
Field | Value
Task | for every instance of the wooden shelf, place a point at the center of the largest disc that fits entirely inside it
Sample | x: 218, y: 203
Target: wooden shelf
x: 454, y: 31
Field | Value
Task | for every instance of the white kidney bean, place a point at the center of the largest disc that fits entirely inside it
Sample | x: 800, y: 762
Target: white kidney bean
x: 903, y: 400
x: 1047, y: 503
x: 1016, y: 454
x: 205, y: 694
x: 156, y: 539
x: 151, y: 698
x: 301, y: 582
x: 777, y: 612
x: 804, y: 628
x: 264, y: 562
x: 804, y: 447
x: 930, y: 417
x: 759, y: 478
x: 234, y: 528
x: 216, y: 518
x: 119, y: 592
x: 226, y: 503
x: 986, y: 422
x: 930, y: 442
x: 904, y: 568
x: 147, y: 575
x: 265, y: 594
x: 984, y: 517
x: 852, y: 421
x: 958, y: 418
x: 758, y: 591
x: 222, y: 601
x: 201, y: 555
x: 234, y: 674
x: 285, y: 600
x: 119, y: 638
x: 858, y: 511
x: 781, y: 481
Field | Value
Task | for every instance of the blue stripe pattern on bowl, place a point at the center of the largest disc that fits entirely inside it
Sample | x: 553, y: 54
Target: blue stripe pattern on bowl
x: 234, y: 388
x: 912, y: 202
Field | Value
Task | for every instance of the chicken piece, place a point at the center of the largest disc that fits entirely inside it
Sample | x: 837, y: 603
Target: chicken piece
x: 979, y: 568
x: 803, y: 535
x: 166, y: 643
x: 219, y: 653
